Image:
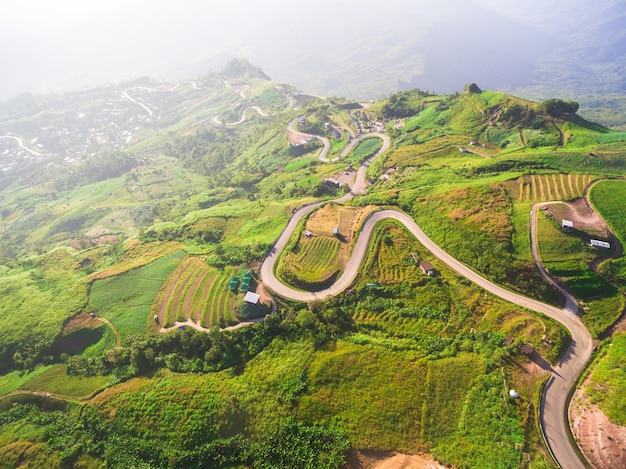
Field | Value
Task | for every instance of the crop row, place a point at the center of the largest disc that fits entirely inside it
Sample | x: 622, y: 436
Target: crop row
x: 538, y: 188
x: 196, y: 291
x: 317, y: 254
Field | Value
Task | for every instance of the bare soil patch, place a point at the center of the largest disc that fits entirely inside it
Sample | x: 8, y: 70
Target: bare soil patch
x: 367, y: 459
x: 583, y: 217
x: 295, y: 139
x: 80, y: 321
x: 347, y: 219
x: 602, y: 442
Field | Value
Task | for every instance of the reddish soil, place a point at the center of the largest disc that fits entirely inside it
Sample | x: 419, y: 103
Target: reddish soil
x: 390, y: 460
x: 265, y: 296
x: 344, y: 178
x: 107, y: 239
x: 188, y: 300
x: 79, y: 321
x: 296, y: 139
x: 603, y: 443
x: 79, y: 244
x: 583, y: 217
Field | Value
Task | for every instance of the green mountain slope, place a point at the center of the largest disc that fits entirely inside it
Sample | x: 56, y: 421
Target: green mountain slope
x: 129, y: 209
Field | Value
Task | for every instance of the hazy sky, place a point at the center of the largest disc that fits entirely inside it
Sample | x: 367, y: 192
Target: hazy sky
x: 326, y: 46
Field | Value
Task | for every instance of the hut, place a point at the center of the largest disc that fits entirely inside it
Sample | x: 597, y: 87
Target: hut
x: 252, y: 298
x: 427, y: 268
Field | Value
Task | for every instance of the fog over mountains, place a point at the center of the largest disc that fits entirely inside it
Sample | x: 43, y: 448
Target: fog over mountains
x: 365, y: 49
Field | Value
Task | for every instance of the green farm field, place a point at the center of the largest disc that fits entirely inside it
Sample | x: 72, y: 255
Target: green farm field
x: 312, y: 262
x: 431, y: 308
x: 566, y: 256
x: 126, y: 299
x: 364, y: 149
x: 609, y: 199
x: 608, y: 380
x: 198, y: 292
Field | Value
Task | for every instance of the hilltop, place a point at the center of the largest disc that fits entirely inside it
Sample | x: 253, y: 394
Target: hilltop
x: 132, y: 210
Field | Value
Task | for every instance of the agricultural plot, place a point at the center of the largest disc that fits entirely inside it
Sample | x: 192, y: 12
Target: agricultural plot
x: 198, y: 292
x: 566, y: 256
x: 365, y: 149
x: 321, y: 256
x: 609, y: 200
x: 547, y: 187
x: 316, y: 260
x: 126, y: 299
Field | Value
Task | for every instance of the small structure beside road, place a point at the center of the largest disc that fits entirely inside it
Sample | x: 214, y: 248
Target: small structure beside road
x: 427, y: 268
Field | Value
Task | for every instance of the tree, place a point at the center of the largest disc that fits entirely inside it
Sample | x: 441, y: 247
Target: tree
x: 558, y: 107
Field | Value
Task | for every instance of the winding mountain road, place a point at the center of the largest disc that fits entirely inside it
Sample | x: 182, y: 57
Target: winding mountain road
x: 243, y: 118
x: 323, y: 154
x: 20, y: 143
x: 555, y: 396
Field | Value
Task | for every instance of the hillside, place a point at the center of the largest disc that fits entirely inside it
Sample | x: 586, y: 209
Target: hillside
x: 135, y: 219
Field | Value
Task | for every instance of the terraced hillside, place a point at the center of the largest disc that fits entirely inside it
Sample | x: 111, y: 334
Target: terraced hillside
x: 547, y: 187
x: 198, y: 292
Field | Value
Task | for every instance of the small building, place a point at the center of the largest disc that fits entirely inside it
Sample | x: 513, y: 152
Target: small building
x: 508, y: 341
x: 334, y: 182
x: 427, y: 268
x: 335, y: 231
x: 252, y: 298
x: 596, y: 243
x: 526, y: 349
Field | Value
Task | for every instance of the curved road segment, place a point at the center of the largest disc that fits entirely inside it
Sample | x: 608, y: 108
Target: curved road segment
x: 555, y: 397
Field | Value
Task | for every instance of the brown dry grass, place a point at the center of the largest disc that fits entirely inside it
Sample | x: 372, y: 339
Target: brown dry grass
x: 79, y: 321
x: 137, y: 254
x: 347, y: 219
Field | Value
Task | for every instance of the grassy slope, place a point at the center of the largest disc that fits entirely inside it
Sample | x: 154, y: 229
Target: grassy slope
x: 365, y: 383
x: 126, y: 298
x: 566, y: 256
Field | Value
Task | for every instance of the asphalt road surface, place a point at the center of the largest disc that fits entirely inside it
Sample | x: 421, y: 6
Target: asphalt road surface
x: 554, y: 400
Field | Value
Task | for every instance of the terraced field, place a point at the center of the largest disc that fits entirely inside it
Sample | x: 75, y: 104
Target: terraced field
x: 317, y: 259
x: 542, y: 188
x: 390, y: 260
x: 198, y: 292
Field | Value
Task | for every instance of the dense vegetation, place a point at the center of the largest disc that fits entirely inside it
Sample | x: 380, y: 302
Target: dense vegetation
x: 136, y: 220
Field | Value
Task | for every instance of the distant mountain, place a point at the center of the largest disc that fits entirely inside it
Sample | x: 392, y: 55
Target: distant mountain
x: 363, y: 50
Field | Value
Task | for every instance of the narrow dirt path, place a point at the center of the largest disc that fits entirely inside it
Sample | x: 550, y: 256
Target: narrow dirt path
x: 116, y: 333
